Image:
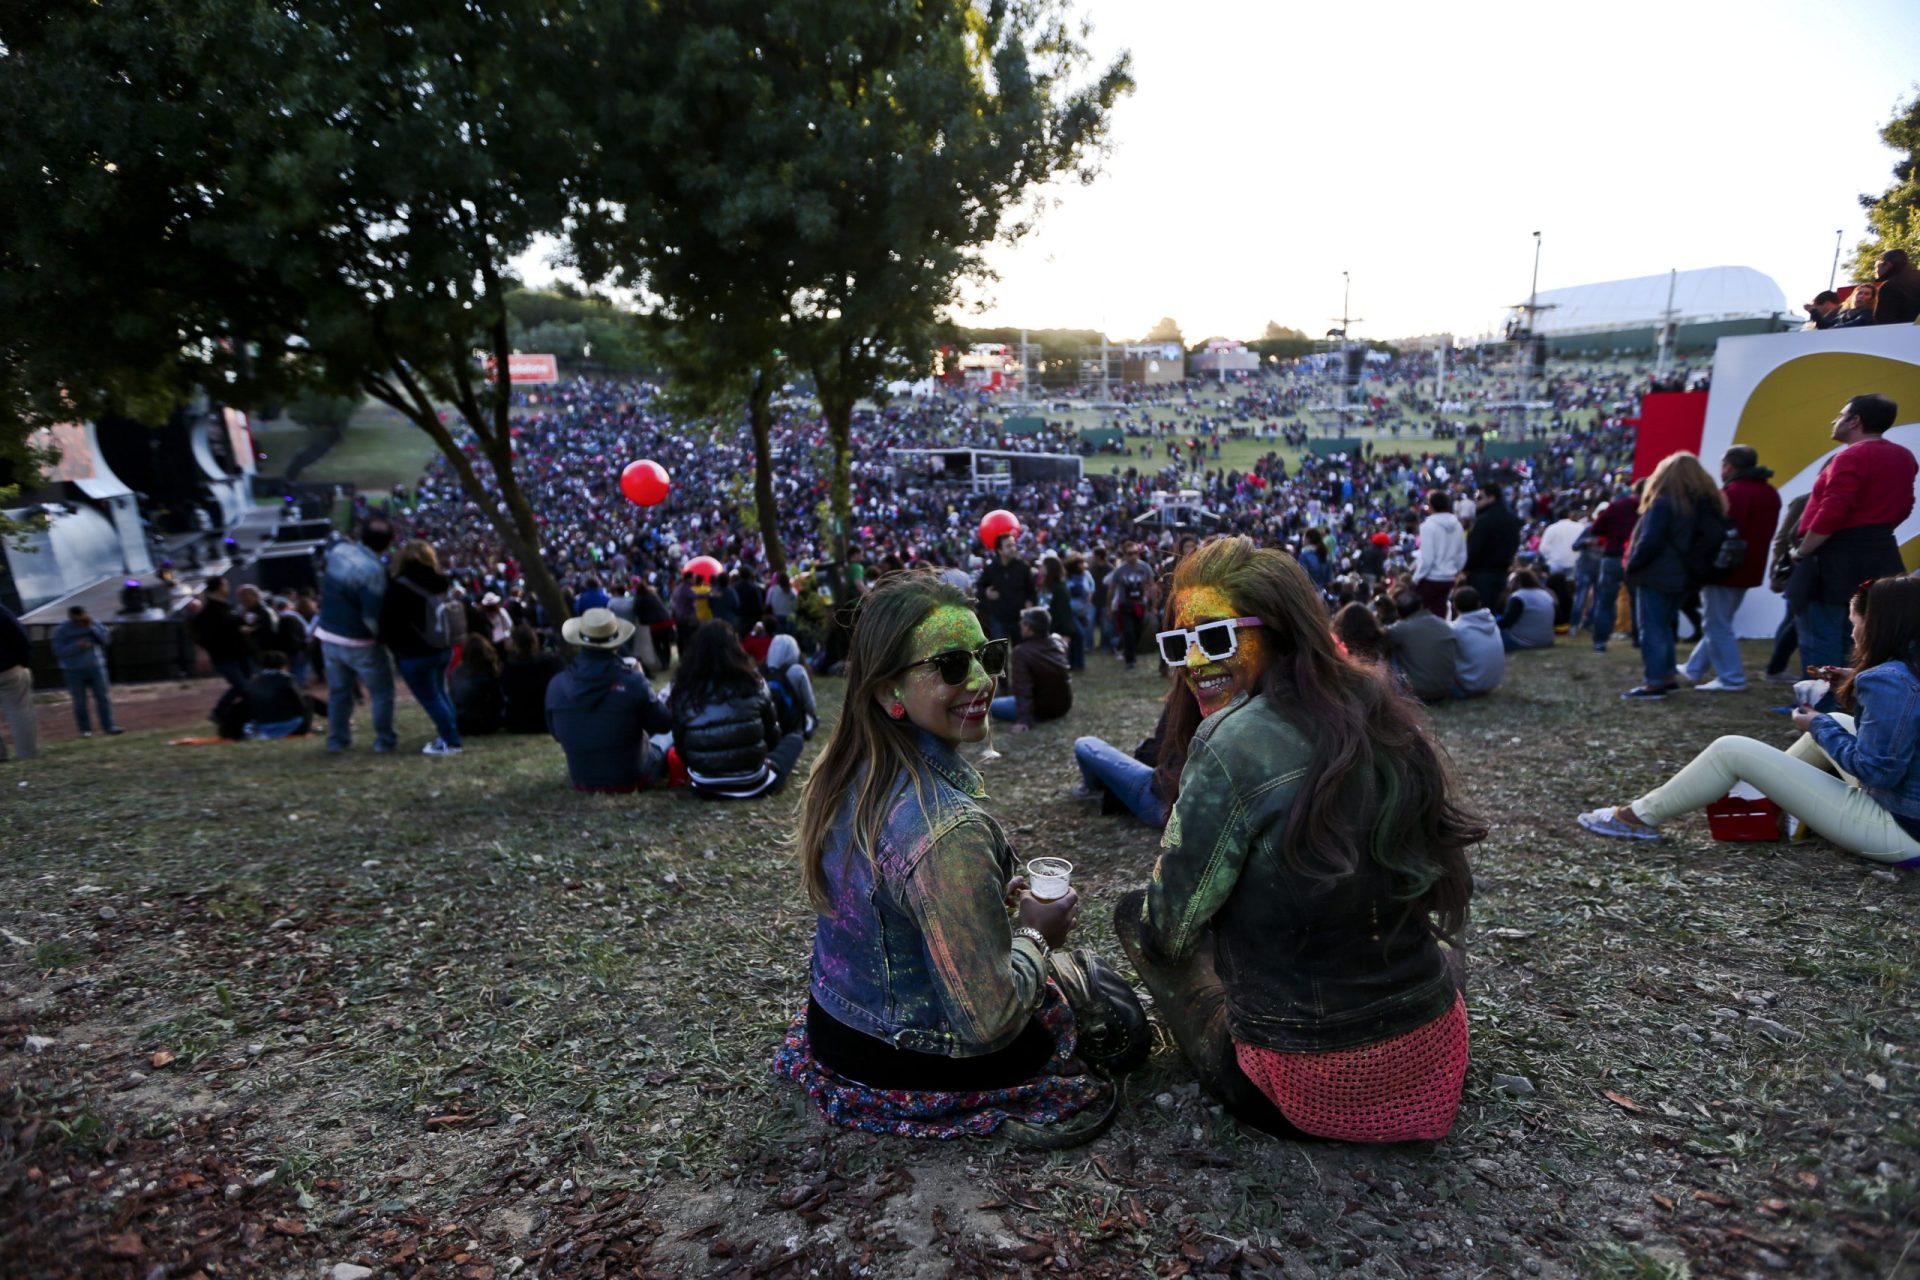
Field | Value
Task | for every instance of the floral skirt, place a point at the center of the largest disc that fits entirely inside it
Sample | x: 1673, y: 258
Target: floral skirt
x: 1048, y: 1098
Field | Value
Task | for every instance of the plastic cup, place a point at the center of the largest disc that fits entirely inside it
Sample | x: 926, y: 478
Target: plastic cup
x: 1048, y: 878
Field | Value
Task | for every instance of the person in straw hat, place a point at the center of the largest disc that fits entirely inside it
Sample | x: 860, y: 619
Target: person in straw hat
x: 602, y: 714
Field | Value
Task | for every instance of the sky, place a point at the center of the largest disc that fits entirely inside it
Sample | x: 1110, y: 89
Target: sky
x: 1270, y: 146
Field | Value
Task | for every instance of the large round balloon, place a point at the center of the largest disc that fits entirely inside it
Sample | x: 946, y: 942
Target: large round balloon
x: 996, y: 525
x: 705, y: 568
x: 645, y: 483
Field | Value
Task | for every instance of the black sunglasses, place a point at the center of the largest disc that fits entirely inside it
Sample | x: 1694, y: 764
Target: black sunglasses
x: 955, y: 665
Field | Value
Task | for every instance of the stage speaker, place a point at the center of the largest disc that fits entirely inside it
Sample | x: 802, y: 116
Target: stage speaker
x: 282, y: 571
x: 1539, y: 356
x: 1356, y: 360
x: 303, y: 531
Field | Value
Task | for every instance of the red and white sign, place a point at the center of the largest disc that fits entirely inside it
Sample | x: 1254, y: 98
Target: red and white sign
x: 529, y: 370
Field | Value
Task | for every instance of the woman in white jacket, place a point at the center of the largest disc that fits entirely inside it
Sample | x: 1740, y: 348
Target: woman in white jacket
x: 1442, y: 553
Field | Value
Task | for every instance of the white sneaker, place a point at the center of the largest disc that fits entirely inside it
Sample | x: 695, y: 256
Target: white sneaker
x: 439, y: 747
x: 1717, y: 685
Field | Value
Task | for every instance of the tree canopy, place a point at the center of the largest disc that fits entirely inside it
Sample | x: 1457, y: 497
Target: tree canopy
x: 1893, y: 216
x: 1168, y: 330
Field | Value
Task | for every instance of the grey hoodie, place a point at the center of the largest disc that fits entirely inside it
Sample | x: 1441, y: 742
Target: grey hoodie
x: 1482, y: 660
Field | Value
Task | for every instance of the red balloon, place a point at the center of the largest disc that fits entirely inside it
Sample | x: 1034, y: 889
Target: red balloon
x: 996, y: 525
x: 705, y: 568
x: 645, y: 483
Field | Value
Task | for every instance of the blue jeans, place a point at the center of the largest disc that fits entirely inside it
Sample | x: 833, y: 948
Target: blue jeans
x: 1005, y: 707
x: 1130, y: 782
x: 427, y: 680
x: 1606, y: 599
x: 348, y: 666
x: 78, y: 684
x: 1718, y: 647
x: 1823, y: 634
x: 1586, y: 578
x: 235, y: 671
x: 1657, y: 615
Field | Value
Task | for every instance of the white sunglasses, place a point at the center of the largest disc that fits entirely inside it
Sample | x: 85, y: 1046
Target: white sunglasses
x: 1216, y: 641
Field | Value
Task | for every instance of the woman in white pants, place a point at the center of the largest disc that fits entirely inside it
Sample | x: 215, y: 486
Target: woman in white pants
x: 1853, y: 779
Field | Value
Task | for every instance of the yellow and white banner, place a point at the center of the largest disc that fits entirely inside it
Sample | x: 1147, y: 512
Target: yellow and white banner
x: 1781, y: 392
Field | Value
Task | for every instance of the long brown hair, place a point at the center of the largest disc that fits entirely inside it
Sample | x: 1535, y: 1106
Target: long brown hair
x: 869, y: 748
x: 1684, y: 482
x: 1891, y: 607
x: 1377, y: 787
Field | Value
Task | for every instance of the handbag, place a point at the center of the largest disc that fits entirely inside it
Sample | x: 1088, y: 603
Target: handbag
x: 1113, y: 1034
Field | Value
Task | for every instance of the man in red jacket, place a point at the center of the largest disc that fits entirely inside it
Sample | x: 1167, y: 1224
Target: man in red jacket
x: 1753, y: 508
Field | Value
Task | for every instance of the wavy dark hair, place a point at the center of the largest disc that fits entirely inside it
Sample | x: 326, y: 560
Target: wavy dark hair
x: 1377, y: 788
x: 1891, y: 607
x: 713, y: 666
x: 869, y: 748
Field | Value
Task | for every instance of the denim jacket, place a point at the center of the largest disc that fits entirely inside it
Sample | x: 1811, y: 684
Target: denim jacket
x: 1883, y: 751
x: 1309, y: 965
x: 351, y: 591
x: 918, y: 949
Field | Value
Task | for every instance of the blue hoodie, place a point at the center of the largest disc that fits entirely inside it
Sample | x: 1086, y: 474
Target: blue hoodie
x: 601, y: 714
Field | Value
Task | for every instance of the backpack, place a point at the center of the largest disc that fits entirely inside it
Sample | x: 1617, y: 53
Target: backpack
x: 446, y: 618
x: 786, y: 707
x: 1716, y: 548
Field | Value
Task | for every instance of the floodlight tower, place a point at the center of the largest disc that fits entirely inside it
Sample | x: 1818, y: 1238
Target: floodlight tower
x: 1343, y: 333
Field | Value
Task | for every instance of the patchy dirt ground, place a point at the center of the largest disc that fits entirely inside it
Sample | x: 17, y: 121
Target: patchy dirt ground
x: 264, y: 1012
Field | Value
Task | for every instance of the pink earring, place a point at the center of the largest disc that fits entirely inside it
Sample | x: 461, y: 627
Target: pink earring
x: 898, y: 710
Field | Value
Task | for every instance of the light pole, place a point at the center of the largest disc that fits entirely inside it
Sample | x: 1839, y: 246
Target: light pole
x: 1834, y: 274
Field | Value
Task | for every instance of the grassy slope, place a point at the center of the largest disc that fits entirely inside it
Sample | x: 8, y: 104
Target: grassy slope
x: 542, y: 1022
x: 380, y: 449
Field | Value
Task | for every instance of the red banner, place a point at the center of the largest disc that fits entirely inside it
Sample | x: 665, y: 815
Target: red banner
x: 1669, y: 422
x: 529, y: 370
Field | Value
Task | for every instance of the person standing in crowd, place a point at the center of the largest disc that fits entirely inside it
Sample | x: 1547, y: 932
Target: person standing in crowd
x: 1527, y: 621
x: 414, y: 616
x: 1099, y: 570
x: 1441, y: 555
x: 1492, y: 543
x: 80, y: 647
x: 291, y: 638
x: 216, y: 629
x: 1786, y: 637
x: 1057, y: 600
x: 592, y: 596
x: 351, y: 593
x: 1480, y: 662
x: 1130, y: 593
x: 1671, y: 508
x: 1847, y: 530
x: 781, y: 604
x: 475, y: 692
x: 1422, y: 648
x: 523, y: 682
x: 602, y: 714
x: 1560, y: 549
x: 16, y: 688
x: 1080, y: 591
x: 1899, y: 282
x: 725, y: 728
x: 1042, y: 678
x: 1299, y: 931
x: 1874, y: 809
x: 923, y: 994
x: 1006, y: 587
x: 1613, y: 530
x: 1753, y: 509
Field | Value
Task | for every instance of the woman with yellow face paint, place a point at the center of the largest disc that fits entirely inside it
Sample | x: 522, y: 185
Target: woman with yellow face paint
x: 1297, y: 934
x: 931, y: 1013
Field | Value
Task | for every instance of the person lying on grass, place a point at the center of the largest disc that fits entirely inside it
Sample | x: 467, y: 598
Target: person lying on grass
x: 1297, y: 930
x: 931, y: 1014
x: 1873, y: 806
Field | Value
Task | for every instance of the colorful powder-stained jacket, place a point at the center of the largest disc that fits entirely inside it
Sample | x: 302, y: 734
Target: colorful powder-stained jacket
x: 1883, y: 751
x: 1309, y: 964
x: 918, y: 949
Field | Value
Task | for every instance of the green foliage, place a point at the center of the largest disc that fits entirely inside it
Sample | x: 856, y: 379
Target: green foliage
x: 1168, y: 330
x: 580, y: 330
x: 1893, y: 216
x: 322, y: 411
x: 816, y: 178
x: 251, y: 199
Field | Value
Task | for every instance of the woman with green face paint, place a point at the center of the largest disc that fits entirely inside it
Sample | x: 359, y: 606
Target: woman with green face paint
x: 923, y: 989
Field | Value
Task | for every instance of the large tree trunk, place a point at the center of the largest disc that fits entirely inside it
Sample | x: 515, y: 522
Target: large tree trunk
x: 766, y: 510
x: 838, y: 407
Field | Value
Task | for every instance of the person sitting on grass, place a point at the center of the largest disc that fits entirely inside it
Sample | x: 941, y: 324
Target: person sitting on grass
x: 1359, y: 632
x: 1298, y: 930
x: 725, y: 729
x: 1482, y: 656
x: 524, y: 680
x: 602, y: 714
x: 931, y: 1013
x: 784, y: 670
x: 1042, y: 678
x: 1873, y: 808
x: 275, y: 706
x: 478, y: 700
x: 1527, y: 621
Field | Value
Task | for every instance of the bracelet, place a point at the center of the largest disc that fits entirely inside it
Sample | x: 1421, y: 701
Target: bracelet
x: 1039, y: 939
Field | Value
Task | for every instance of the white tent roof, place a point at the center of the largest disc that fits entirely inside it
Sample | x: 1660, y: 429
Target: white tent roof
x: 1708, y: 293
